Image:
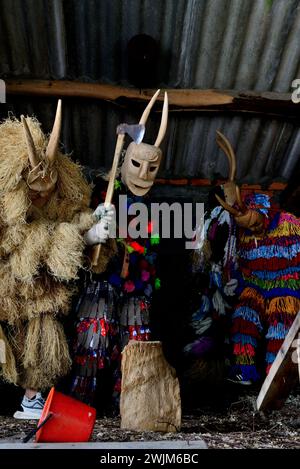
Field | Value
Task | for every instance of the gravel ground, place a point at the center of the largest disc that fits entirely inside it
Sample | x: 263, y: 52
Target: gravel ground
x: 237, y: 427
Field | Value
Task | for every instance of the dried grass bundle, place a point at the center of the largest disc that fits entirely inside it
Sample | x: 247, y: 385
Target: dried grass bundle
x: 8, y: 369
x: 25, y: 261
x: 46, y: 354
x: 15, y: 204
x: 65, y: 253
x: 13, y: 150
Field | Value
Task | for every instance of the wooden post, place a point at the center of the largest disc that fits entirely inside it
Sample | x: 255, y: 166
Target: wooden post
x: 284, y: 372
x: 150, y: 394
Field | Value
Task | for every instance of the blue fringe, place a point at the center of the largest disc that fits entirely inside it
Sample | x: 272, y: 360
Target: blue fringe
x: 274, y: 222
x: 272, y: 275
x: 244, y: 339
x: 274, y: 292
x: 248, y: 372
x: 270, y: 357
x: 267, y: 252
x: 277, y: 332
x: 248, y: 314
x: 216, y: 279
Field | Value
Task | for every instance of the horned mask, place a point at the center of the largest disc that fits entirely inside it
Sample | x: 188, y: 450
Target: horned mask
x: 244, y: 217
x: 142, y: 161
x: 41, y: 176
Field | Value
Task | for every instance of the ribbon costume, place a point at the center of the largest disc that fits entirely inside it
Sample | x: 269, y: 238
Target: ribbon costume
x: 269, y: 264
x: 215, y: 271
x: 114, y: 305
x: 44, y: 212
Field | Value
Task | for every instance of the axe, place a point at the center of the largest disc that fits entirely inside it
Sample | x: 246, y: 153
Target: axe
x: 136, y: 132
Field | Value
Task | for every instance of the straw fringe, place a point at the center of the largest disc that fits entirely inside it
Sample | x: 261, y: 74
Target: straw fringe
x: 46, y: 354
x: 40, y: 247
x: 65, y: 253
x: 8, y: 363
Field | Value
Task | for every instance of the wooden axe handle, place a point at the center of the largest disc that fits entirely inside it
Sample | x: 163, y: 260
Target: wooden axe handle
x: 110, y: 190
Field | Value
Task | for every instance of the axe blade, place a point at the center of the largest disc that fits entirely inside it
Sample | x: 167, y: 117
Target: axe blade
x: 135, y: 131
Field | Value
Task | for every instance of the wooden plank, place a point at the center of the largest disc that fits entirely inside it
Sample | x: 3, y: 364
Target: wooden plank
x: 180, y: 100
x: 283, y: 374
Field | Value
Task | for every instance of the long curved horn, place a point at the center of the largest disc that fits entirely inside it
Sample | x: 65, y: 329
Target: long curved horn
x: 227, y: 207
x: 225, y: 145
x: 239, y: 199
x: 146, y: 112
x: 54, y: 137
x: 33, y: 157
x: 163, y: 123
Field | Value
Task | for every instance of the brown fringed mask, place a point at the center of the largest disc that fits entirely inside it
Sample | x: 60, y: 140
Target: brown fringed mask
x: 42, y: 175
x: 246, y: 218
x: 141, y: 162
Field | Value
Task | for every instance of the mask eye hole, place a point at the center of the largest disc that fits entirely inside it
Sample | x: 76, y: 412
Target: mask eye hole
x: 153, y: 168
x: 135, y: 163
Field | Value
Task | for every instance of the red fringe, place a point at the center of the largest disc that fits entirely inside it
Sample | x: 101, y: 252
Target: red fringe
x: 274, y: 263
x: 274, y: 345
x: 269, y: 241
x: 242, y: 326
x: 246, y: 349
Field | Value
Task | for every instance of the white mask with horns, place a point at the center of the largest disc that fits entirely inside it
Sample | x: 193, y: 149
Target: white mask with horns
x: 142, y: 161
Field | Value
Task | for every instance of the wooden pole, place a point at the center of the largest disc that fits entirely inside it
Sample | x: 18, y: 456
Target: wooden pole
x: 180, y: 100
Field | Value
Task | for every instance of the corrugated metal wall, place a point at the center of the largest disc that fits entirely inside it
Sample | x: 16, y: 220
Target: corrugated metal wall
x: 226, y: 44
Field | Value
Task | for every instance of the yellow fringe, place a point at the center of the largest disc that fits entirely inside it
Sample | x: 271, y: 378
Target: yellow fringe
x: 285, y: 229
x: 249, y: 292
x: 287, y: 305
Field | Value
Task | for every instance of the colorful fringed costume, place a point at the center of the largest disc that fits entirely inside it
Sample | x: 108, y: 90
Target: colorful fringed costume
x: 215, y: 258
x: 270, y: 287
x: 115, y: 304
x: 214, y: 262
x: 41, y: 250
x: 114, y: 307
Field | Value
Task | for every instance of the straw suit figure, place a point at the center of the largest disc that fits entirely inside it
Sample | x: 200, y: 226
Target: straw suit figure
x: 44, y: 216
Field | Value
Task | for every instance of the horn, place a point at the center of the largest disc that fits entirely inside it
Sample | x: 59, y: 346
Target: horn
x: 239, y: 199
x: 54, y: 137
x: 33, y: 157
x: 163, y: 124
x: 227, y: 207
x: 225, y: 145
x: 146, y: 113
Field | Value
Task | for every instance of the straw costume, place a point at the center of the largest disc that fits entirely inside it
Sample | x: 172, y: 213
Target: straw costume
x: 43, y: 215
x: 115, y: 303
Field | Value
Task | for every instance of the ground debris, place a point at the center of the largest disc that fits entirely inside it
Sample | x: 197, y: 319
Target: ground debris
x: 238, y: 427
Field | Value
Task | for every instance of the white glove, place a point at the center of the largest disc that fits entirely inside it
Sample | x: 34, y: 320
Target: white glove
x: 101, y: 231
x: 101, y: 210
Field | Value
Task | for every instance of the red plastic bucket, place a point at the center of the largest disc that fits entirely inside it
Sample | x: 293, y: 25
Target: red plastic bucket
x: 71, y: 420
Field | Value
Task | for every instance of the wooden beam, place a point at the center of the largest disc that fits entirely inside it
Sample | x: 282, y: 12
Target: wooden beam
x: 180, y: 100
x: 283, y: 374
